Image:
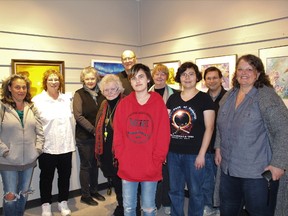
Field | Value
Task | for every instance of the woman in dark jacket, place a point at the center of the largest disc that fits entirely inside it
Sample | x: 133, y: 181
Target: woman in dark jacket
x: 86, y: 103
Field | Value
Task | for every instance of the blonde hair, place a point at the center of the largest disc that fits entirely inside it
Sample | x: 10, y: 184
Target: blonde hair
x: 88, y: 70
x: 161, y: 68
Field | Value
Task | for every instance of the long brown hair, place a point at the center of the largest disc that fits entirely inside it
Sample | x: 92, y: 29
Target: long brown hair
x: 257, y: 64
x: 6, y: 94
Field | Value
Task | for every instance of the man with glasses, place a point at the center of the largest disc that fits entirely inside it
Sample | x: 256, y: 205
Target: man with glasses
x: 213, y: 81
x: 128, y: 59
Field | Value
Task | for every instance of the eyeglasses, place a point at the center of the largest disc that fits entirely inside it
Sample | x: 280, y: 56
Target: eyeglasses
x: 112, y: 90
x: 211, y: 78
x: 127, y: 59
x: 184, y: 75
x: 160, y: 74
x: 53, y: 80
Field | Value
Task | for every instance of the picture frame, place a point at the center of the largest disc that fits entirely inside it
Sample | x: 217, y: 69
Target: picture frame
x: 225, y: 63
x: 173, y: 67
x: 35, y: 69
x: 107, y: 67
x: 275, y: 60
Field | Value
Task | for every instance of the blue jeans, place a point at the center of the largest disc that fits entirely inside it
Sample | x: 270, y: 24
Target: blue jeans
x: 148, y: 191
x: 182, y: 170
x: 17, y: 183
x: 253, y: 193
x: 209, y: 180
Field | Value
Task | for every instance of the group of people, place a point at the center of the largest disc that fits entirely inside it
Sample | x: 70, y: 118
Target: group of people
x: 151, y: 141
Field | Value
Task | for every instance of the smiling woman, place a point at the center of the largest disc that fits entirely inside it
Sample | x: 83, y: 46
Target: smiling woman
x: 56, y: 115
x: 86, y: 104
x: 19, y: 151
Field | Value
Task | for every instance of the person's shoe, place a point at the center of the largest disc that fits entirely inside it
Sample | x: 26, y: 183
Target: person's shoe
x: 63, y: 208
x: 167, y: 210
x: 98, y: 196
x: 89, y: 201
x: 208, y: 211
x: 119, y: 211
x: 217, y: 212
x: 46, y: 209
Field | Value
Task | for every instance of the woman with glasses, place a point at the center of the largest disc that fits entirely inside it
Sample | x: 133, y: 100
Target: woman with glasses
x: 86, y: 104
x: 111, y: 87
x: 58, y: 123
x: 192, y: 116
x: 141, y: 139
x: 21, y: 142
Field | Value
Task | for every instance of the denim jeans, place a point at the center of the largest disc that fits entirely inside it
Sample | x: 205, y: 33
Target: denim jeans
x: 148, y: 191
x: 182, y: 170
x: 209, y: 180
x: 17, y: 183
x: 88, y: 167
x: 251, y: 193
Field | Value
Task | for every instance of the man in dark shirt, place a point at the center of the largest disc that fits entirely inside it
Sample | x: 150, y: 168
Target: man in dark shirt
x: 213, y: 81
x: 128, y: 59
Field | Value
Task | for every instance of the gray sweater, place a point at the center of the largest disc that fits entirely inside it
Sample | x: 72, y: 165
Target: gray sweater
x: 24, y: 144
x: 275, y: 117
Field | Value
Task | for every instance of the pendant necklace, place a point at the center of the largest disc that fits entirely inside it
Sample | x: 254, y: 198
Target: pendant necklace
x: 108, y: 117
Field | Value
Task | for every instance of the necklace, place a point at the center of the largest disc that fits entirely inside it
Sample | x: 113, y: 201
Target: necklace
x: 108, y: 118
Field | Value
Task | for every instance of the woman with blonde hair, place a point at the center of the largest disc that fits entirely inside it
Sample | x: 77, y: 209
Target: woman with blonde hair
x: 86, y: 104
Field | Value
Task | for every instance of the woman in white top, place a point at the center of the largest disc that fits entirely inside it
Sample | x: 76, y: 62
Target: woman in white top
x: 58, y: 124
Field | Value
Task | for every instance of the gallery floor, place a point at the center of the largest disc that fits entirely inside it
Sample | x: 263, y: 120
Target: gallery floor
x: 105, y: 208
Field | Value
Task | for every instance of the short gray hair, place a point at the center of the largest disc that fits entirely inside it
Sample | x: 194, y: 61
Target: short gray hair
x: 111, y: 78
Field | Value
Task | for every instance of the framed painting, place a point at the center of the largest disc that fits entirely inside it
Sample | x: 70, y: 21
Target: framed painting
x: 34, y: 70
x: 173, y: 67
x: 275, y: 60
x: 107, y: 67
x: 226, y: 64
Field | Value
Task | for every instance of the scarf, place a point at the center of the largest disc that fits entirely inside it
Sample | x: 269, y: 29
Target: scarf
x: 100, y: 121
x: 92, y: 92
x: 167, y: 92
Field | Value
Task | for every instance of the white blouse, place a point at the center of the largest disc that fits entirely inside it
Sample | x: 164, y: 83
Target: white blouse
x: 58, y: 122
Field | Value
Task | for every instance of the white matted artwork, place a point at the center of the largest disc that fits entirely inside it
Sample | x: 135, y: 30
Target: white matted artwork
x: 275, y: 60
x: 226, y: 64
x: 173, y: 67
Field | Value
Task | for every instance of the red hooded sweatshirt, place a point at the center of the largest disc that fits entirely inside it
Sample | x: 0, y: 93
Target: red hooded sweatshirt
x: 141, y: 138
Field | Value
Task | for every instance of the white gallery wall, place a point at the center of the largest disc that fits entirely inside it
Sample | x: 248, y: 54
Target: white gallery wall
x: 77, y: 31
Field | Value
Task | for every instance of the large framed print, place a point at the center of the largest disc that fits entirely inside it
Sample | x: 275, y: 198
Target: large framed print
x: 35, y: 69
x: 226, y: 64
x: 107, y: 67
x: 173, y: 67
x: 275, y: 60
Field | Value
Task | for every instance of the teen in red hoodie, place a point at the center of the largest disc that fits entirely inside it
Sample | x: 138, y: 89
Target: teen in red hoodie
x: 141, y: 140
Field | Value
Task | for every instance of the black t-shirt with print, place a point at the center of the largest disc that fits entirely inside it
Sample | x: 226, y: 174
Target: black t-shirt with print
x: 187, y: 122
